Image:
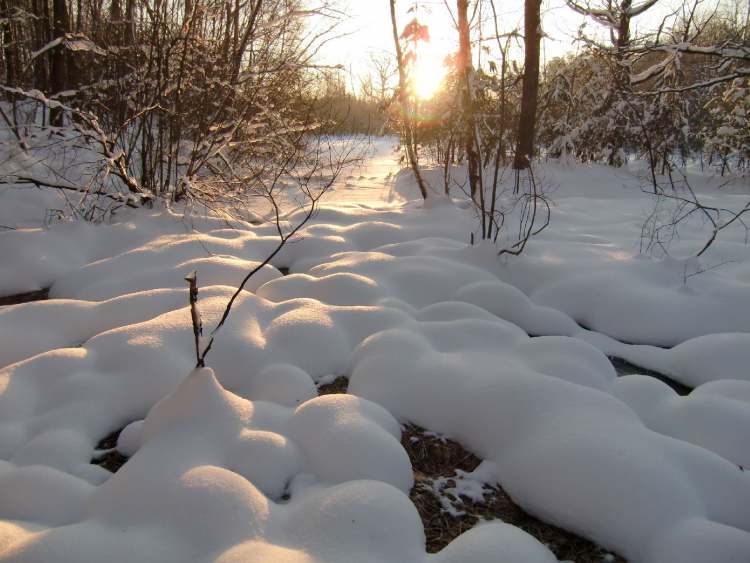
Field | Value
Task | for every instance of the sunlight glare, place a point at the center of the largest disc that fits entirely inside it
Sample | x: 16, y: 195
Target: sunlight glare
x: 428, y: 75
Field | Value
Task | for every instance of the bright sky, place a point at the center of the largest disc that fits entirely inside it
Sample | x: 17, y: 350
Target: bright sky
x: 370, y: 23
x: 369, y: 29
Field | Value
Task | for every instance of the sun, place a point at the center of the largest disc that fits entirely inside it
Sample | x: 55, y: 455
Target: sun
x: 429, y: 72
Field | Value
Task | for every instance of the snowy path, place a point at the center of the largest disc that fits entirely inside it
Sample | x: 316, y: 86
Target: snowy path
x: 244, y: 462
x: 370, y: 183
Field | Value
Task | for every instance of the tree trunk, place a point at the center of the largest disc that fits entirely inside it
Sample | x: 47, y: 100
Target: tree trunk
x: 59, y: 70
x: 41, y: 37
x: 130, y: 22
x: 622, y: 75
x: 623, y: 27
x: 408, y: 126
x: 526, y: 122
x: 467, y: 98
x: 115, y: 11
x: 96, y: 16
x: 227, y: 33
x: 10, y: 52
x: 115, y: 21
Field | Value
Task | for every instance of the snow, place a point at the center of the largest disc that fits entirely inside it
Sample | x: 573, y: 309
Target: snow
x: 284, y: 384
x: 715, y: 356
x: 243, y: 460
x: 63, y: 323
x: 713, y: 421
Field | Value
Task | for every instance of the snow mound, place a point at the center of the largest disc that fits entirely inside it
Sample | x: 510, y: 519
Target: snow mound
x: 557, y: 442
x: 710, y: 357
x: 710, y: 419
x: 214, y: 473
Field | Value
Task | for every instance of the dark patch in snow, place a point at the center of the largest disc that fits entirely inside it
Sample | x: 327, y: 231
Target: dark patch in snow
x: 39, y: 295
x: 629, y: 343
x: 112, y: 461
x: 338, y: 385
x: 110, y: 440
x: 286, y: 495
x: 108, y: 457
x: 439, y: 467
x: 623, y: 367
x: 434, y: 455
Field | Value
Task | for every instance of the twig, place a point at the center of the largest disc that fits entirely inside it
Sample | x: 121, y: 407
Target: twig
x: 195, y: 316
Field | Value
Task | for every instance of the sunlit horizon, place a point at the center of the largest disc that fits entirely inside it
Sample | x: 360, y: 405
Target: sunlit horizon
x: 367, y: 33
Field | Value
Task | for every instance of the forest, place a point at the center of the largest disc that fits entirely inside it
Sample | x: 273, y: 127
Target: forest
x: 374, y: 281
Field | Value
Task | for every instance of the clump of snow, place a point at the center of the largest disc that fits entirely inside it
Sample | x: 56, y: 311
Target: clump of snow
x: 334, y: 428
x: 284, y: 384
x: 495, y: 542
x: 130, y: 439
x: 714, y: 356
x: 62, y: 323
x: 714, y: 421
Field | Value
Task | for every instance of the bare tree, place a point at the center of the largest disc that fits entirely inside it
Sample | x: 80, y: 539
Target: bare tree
x: 465, y: 71
x: 381, y: 75
x: 676, y: 202
x: 408, y: 127
x: 501, y: 201
x: 527, y: 121
x: 59, y: 59
x: 204, y: 99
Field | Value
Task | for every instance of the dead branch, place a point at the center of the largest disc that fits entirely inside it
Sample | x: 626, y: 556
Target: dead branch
x: 195, y: 316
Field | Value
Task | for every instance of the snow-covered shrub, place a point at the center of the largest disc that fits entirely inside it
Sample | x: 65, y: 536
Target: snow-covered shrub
x: 186, y: 101
x: 728, y: 135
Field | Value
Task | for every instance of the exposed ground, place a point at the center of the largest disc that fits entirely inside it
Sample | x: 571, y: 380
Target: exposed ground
x: 438, y: 464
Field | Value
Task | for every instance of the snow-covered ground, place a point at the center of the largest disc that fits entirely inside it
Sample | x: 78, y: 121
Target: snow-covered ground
x: 243, y: 461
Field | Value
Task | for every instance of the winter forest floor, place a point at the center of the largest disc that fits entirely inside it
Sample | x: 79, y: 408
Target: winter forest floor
x: 384, y: 391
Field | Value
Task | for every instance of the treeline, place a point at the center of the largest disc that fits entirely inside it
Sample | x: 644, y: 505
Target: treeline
x: 679, y: 93
x: 178, y: 97
x: 344, y: 111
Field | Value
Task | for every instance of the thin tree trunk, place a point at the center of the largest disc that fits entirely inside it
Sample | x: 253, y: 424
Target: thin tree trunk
x: 242, y: 43
x: 40, y: 40
x: 408, y: 128
x: 59, y: 70
x: 96, y: 16
x: 130, y: 22
x: 115, y: 21
x: 622, y: 75
x: 467, y: 99
x: 10, y: 53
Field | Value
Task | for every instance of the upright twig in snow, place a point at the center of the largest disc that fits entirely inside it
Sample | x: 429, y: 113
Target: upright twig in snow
x: 195, y: 316
x: 311, y: 195
x: 241, y: 287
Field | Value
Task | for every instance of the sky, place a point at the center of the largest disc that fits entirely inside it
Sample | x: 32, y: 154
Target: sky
x: 367, y: 27
x: 370, y: 25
